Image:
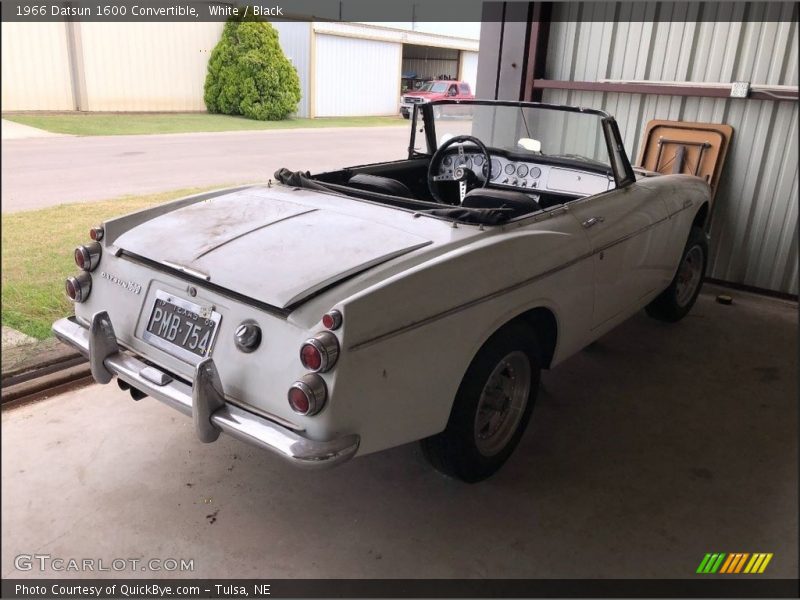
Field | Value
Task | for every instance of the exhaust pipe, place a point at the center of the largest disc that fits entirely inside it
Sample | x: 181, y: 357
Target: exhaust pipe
x: 135, y: 394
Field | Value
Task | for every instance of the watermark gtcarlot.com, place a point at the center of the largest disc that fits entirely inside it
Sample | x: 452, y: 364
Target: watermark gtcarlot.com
x: 48, y: 563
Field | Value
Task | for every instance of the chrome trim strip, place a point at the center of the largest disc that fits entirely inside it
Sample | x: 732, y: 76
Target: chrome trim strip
x: 187, y: 270
x: 466, y: 305
x: 506, y: 290
x: 231, y: 419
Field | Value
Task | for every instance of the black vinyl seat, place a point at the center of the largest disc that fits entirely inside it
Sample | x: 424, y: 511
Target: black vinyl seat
x: 520, y: 203
x: 382, y: 185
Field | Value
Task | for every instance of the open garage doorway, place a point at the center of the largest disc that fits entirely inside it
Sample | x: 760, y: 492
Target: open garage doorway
x: 425, y: 63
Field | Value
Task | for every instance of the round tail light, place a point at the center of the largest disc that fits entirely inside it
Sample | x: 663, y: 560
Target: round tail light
x: 96, y: 233
x: 320, y: 352
x: 332, y: 320
x: 307, y: 396
x: 88, y: 257
x: 78, y: 288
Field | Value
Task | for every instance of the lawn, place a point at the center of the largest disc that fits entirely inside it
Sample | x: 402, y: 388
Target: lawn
x: 146, y: 123
x: 37, y: 249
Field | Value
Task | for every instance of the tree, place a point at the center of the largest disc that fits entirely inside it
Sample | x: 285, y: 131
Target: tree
x: 249, y: 75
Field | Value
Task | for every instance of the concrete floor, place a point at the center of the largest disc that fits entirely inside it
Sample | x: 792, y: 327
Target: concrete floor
x: 654, y: 446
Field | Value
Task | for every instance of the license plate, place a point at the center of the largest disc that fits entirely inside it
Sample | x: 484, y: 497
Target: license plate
x: 180, y: 327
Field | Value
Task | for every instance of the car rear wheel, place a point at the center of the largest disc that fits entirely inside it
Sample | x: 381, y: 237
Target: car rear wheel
x: 677, y: 300
x: 492, y: 407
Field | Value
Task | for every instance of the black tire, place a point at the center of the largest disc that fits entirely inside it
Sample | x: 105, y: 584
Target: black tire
x: 455, y: 451
x: 672, y: 305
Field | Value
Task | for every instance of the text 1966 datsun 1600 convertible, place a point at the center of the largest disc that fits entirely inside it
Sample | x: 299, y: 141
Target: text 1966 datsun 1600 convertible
x: 342, y: 313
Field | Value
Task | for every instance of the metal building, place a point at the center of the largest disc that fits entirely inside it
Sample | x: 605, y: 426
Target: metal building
x: 356, y: 69
x: 345, y: 69
x: 676, y: 61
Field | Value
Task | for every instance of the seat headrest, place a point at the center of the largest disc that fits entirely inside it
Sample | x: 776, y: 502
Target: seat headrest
x: 519, y: 202
x: 382, y: 185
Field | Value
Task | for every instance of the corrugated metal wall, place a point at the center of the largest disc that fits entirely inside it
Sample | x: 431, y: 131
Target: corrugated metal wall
x: 35, y: 66
x: 147, y: 66
x: 754, y: 227
x: 369, y: 84
x: 295, y: 40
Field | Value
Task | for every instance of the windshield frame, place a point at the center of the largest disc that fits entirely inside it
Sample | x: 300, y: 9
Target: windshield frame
x: 618, y: 158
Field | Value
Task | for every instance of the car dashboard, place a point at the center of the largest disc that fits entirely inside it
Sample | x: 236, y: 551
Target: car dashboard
x: 525, y: 175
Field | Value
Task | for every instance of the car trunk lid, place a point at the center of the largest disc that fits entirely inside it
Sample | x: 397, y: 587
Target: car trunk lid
x: 265, y: 247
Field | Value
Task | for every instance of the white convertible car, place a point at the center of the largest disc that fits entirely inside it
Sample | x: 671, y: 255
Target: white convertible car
x: 334, y: 315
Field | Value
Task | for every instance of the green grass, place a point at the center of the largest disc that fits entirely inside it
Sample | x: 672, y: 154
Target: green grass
x: 37, y: 249
x: 146, y: 123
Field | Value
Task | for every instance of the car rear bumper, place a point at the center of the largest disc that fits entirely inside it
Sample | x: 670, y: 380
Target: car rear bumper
x: 203, y: 400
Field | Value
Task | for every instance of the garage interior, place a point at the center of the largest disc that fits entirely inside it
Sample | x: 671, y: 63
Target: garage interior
x: 657, y: 444
x: 423, y: 63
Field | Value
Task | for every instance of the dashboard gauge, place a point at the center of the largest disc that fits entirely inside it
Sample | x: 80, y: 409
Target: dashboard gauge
x: 510, y: 168
x: 535, y: 172
x: 448, y: 160
x: 496, y: 168
x: 463, y: 162
x: 477, y: 160
x: 522, y: 170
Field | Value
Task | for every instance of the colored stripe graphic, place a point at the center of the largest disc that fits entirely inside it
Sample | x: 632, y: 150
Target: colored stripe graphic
x: 711, y: 562
x: 730, y: 564
x: 741, y: 562
x: 734, y: 563
x: 727, y: 564
x: 703, y: 563
x: 765, y: 563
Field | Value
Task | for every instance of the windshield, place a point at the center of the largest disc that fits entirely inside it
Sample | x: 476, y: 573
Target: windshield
x: 537, y: 131
x: 434, y: 86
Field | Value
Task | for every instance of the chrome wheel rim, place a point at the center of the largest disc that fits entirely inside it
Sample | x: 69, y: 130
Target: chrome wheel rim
x: 689, y: 275
x: 502, y: 402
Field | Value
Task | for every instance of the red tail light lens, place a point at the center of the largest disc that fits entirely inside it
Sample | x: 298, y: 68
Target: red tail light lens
x: 320, y: 352
x: 307, y: 396
x: 88, y: 257
x: 332, y: 320
x: 78, y: 288
x: 298, y: 400
x: 311, y: 357
x: 96, y: 233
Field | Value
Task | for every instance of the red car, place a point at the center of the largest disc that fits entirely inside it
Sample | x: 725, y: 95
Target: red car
x: 435, y: 90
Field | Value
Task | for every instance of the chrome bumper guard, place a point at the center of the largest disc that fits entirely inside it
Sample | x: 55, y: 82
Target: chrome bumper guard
x: 203, y: 401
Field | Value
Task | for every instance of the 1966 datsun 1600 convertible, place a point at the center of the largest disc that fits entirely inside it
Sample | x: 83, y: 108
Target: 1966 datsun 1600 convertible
x: 342, y: 313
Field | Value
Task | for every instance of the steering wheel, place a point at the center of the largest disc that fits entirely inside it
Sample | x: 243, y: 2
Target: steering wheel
x: 460, y: 172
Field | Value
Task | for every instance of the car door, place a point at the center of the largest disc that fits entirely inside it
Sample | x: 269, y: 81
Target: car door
x: 628, y: 232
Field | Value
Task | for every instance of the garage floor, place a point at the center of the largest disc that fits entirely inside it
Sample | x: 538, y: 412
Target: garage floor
x: 654, y: 446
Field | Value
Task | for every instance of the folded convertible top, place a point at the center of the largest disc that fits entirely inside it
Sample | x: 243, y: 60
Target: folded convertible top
x: 461, y: 214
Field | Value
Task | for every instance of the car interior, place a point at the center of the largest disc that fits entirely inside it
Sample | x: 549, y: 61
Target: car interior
x: 466, y: 181
x: 507, y: 196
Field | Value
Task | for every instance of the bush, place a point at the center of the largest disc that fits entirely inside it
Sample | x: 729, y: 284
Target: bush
x: 249, y: 75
